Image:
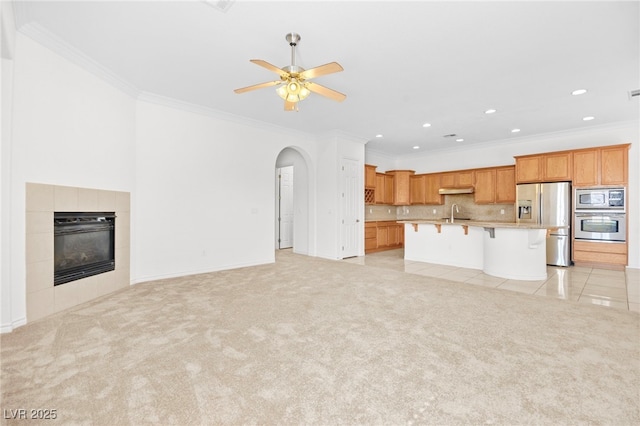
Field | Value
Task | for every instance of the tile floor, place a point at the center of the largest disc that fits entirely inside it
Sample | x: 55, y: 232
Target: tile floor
x: 614, y: 289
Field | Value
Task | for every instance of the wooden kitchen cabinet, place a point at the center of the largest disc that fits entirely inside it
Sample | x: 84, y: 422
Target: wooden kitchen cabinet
x: 457, y: 179
x: 505, y: 185
x: 384, y: 189
x: 557, y: 167
x: 401, y: 186
x: 529, y: 169
x: 370, y: 236
x: 495, y: 185
x: 424, y: 189
x: 485, y: 186
x: 551, y: 167
x: 605, y: 254
x: 383, y: 235
x: 608, y: 165
x: 431, y: 189
x: 369, y: 176
x: 614, y: 165
x: 585, y: 168
x: 417, y: 189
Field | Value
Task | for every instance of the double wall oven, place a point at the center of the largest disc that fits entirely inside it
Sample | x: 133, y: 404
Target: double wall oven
x: 600, y: 214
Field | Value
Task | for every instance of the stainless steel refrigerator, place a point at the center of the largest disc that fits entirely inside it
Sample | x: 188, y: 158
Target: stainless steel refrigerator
x: 548, y: 204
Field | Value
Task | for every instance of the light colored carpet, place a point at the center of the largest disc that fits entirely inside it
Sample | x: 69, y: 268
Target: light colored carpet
x: 312, y: 341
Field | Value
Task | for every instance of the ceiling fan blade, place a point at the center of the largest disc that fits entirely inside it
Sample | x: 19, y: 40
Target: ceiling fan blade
x: 257, y: 86
x: 325, y: 69
x: 290, y: 106
x: 325, y: 91
x: 270, y: 67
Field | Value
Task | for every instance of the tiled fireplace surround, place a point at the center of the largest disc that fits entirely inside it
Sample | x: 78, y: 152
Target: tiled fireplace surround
x: 42, y: 201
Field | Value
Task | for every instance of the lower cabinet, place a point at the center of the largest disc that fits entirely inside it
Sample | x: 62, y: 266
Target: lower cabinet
x: 383, y: 235
x: 600, y: 254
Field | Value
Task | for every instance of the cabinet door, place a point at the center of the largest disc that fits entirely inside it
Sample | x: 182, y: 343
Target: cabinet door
x: 417, y: 184
x: 431, y: 188
x: 485, y: 187
x: 585, y: 167
x: 369, y: 176
x: 528, y: 169
x: 380, y: 189
x: 394, y: 235
x: 388, y: 189
x: 464, y: 179
x: 613, y: 165
x: 505, y: 185
x: 382, y: 235
x: 447, y: 180
x: 557, y: 167
x: 401, y: 186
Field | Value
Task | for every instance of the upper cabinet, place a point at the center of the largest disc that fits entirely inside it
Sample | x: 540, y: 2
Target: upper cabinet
x: 401, y: 186
x: 556, y: 166
x: 424, y: 189
x: 606, y: 165
x: 369, y: 176
x: 384, y: 189
x: 505, y: 185
x: 457, y: 179
x: 495, y: 185
x: 551, y: 167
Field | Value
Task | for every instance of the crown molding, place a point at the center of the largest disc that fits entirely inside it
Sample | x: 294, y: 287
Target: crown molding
x: 49, y: 40
x: 218, y: 114
x: 524, y: 140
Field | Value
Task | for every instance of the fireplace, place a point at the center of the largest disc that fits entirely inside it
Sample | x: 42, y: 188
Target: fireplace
x: 83, y: 245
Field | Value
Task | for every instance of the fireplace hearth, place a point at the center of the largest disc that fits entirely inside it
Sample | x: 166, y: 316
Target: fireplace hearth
x: 83, y: 245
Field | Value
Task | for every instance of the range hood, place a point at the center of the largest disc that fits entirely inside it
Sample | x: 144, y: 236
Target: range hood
x: 452, y: 191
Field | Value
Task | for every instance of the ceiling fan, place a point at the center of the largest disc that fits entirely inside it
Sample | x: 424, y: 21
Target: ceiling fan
x: 294, y: 84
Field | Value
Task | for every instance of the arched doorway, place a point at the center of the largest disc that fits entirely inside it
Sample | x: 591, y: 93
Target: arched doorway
x: 292, y: 183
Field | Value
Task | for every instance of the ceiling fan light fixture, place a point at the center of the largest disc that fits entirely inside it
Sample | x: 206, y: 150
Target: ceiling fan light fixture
x: 293, y: 91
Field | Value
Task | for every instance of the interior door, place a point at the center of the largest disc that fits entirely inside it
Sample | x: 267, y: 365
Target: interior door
x: 351, y: 197
x: 285, y: 207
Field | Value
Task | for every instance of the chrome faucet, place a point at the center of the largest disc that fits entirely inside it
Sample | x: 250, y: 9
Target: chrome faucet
x: 457, y: 210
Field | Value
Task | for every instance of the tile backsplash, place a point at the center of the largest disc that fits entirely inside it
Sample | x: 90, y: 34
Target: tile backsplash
x: 468, y: 209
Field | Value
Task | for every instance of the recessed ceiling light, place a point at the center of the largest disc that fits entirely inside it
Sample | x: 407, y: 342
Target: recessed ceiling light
x: 515, y: 130
x: 579, y: 92
x: 426, y: 125
x: 378, y: 136
x: 416, y: 147
x: 459, y: 140
x: 589, y: 118
x: 490, y: 111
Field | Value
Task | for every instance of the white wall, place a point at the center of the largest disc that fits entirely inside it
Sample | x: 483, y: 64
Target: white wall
x: 7, y: 38
x: 502, y: 153
x: 68, y: 128
x: 331, y: 149
x: 209, y: 177
x: 204, y: 192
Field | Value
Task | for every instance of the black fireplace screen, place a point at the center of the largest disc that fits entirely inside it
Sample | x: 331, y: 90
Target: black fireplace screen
x: 83, y: 245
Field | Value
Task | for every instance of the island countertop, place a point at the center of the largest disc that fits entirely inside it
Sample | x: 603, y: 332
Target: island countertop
x: 503, y: 249
x: 481, y: 223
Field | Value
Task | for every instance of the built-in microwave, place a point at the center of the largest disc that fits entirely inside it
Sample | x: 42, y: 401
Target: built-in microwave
x: 599, y: 198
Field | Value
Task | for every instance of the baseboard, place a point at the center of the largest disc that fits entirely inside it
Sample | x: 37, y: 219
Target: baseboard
x: 8, y: 328
x: 200, y: 271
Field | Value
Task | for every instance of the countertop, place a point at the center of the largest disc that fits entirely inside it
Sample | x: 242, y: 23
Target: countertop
x: 486, y: 224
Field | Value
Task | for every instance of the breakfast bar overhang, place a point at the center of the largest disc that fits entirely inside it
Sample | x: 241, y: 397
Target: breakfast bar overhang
x: 506, y: 250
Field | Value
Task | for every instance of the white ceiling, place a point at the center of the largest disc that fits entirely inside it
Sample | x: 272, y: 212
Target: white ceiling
x: 405, y: 63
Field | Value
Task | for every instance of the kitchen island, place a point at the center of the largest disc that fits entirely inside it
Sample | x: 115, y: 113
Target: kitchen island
x: 502, y: 249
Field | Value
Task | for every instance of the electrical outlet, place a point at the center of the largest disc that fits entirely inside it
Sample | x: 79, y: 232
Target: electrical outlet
x: 501, y: 211
x: 434, y: 211
x: 389, y: 210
